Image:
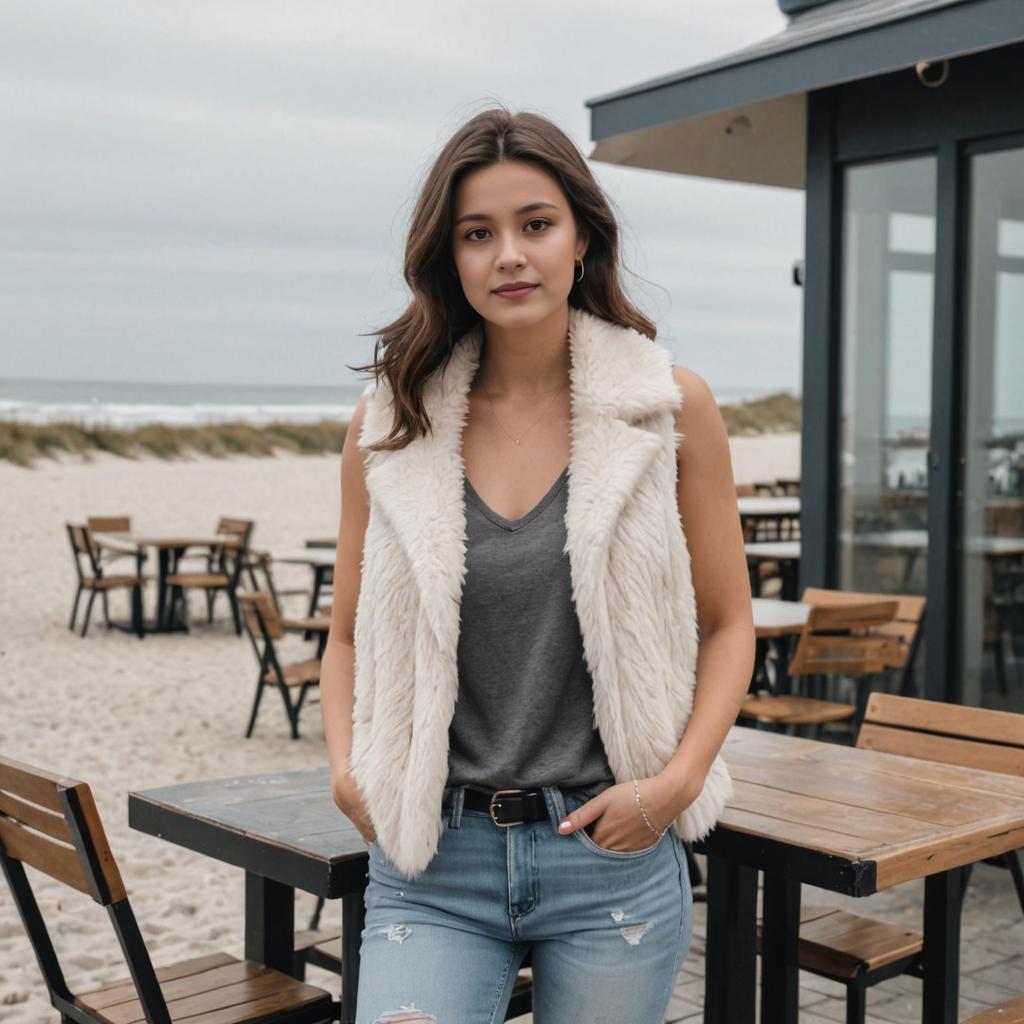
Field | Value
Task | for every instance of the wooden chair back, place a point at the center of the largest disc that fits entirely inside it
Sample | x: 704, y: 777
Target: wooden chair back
x: 949, y: 733
x: 262, y: 618
x: 239, y: 530
x: 82, y: 548
x: 109, y: 524
x: 905, y: 629
x: 51, y: 824
x: 836, y: 638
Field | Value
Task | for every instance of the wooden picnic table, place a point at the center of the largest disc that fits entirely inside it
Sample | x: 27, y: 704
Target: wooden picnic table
x: 285, y: 831
x: 320, y: 560
x: 170, y: 547
x: 852, y: 821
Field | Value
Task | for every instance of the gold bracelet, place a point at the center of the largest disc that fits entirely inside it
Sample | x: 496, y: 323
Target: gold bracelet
x: 643, y: 811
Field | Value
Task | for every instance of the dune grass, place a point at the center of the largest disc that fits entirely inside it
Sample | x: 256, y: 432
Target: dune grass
x: 24, y: 443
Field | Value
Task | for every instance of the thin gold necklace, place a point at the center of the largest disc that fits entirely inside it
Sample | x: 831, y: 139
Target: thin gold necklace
x: 533, y: 424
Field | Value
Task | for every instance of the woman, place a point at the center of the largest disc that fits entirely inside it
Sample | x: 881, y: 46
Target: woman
x: 531, y: 668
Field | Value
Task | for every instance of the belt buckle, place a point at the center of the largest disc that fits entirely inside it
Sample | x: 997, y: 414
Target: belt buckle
x: 497, y: 793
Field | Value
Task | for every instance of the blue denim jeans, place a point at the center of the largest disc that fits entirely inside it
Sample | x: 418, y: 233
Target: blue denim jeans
x: 608, y: 931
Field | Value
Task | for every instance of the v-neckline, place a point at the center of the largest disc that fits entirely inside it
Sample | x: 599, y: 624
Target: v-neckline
x: 516, y: 524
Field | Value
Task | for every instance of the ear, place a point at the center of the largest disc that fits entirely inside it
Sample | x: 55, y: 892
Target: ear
x: 582, y: 243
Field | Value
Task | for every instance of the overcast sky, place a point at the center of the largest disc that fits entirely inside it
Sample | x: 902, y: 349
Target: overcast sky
x: 219, y: 191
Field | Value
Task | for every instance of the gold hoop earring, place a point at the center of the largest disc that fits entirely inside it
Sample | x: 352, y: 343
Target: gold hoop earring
x: 582, y: 270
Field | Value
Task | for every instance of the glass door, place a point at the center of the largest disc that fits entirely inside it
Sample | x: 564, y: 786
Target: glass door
x: 992, y: 548
x: 886, y: 310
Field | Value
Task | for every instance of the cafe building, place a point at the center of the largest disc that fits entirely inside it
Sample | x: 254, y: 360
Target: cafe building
x: 903, y: 122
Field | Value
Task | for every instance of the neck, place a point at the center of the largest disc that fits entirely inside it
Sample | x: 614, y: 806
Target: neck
x: 523, y: 363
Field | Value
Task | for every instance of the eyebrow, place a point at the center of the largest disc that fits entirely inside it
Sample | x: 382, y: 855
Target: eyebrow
x: 529, y: 208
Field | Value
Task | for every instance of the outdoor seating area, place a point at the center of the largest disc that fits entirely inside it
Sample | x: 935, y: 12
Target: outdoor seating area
x: 206, y: 566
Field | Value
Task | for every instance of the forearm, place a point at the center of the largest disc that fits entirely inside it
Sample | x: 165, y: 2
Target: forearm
x: 337, y: 678
x: 724, y: 665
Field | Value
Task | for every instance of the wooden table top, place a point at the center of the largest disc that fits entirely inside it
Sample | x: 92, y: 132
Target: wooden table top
x: 133, y: 541
x: 784, y: 550
x: 769, y: 505
x: 307, y: 556
x: 284, y: 826
x: 857, y: 821
x: 774, y: 617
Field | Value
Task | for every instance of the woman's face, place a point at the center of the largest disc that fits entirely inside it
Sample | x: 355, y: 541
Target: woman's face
x: 513, y: 223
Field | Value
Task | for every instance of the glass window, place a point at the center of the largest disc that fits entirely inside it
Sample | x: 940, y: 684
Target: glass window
x: 888, y: 283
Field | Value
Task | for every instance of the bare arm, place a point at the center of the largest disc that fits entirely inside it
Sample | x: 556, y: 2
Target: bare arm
x: 706, y: 494
x: 337, y: 674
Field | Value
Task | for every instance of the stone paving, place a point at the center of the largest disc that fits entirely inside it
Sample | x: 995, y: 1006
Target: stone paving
x: 991, y: 956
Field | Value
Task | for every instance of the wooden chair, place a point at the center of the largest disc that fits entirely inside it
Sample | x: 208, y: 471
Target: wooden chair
x: 51, y: 824
x: 225, y: 563
x: 90, y: 577
x: 906, y: 629
x: 112, y: 524
x: 837, y: 638
x: 859, y: 951
x: 265, y: 626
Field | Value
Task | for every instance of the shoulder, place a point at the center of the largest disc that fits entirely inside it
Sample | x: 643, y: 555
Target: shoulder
x: 698, y: 399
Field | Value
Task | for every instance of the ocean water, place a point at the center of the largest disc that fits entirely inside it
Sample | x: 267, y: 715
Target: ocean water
x: 128, y: 404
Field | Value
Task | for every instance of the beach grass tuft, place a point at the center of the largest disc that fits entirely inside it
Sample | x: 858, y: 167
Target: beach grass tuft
x: 24, y: 443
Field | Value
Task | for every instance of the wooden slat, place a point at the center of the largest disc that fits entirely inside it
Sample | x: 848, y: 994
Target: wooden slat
x: 910, y: 607
x: 844, y: 945
x: 199, y: 1006
x: 986, y: 756
x: 96, y: 837
x: 876, y: 826
x: 949, y: 849
x: 1006, y: 1013
x: 32, y: 784
x: 35, y: 817
x: 269, y: 1008
x: 792, y: 710
x: 124, y: 999
x: 820, y: 840
x: 859, y: 787
x: 122, y: 990
x: 52, y: 858
x: 951, y: 719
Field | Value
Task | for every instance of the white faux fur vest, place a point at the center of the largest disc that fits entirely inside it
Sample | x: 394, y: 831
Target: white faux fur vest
x: 630, y: 571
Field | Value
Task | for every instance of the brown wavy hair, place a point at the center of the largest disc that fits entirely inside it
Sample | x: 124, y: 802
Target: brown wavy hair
x: 421, y: 340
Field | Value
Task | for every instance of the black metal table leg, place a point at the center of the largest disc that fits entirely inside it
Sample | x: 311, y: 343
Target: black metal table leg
x: 353, y: 918
x: 318, y: 582
x: 943, y: 898
x: 164, y: 561
x: 269, y: 922
x: 731, y: 967
x: 780, y: 939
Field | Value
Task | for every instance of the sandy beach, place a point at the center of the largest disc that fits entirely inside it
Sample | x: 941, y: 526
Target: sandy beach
x: 123, y: 714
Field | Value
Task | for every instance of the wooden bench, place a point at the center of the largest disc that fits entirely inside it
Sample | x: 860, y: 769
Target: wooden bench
x: 51, y: 824
x: 860, y: 951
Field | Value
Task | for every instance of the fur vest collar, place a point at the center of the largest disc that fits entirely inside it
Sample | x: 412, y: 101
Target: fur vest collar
x: 630, y: 572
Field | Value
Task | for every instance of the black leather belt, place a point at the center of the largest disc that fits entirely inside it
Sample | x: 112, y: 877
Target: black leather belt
x: 508, y: 806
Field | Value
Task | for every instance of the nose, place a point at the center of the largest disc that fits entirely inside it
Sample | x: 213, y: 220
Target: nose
x: 509, y: 253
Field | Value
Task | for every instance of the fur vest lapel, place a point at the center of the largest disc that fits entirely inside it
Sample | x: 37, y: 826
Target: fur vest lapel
x: 630, y: 572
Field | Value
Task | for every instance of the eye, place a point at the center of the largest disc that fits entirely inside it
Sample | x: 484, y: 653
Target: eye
x: 537, y: 220
x: 469, y: 234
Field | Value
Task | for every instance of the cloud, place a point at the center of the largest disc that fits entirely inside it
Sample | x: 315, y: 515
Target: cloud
x: 198, y: 191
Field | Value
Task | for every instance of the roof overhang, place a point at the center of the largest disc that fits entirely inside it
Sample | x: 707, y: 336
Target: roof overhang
x: 743, y: 117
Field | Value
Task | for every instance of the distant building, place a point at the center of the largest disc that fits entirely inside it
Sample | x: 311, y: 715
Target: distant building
x: 904, y: 122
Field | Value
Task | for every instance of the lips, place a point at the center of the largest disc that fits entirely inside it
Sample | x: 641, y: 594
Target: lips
x: 515, y: 290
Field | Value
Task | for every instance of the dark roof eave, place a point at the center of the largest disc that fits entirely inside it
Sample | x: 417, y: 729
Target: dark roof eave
x: 931, y: 34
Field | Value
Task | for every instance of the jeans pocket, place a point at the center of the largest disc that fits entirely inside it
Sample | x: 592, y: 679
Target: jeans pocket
x: 584, y: 838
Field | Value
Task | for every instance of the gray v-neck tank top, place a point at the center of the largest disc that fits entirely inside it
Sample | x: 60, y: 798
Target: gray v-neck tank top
x: 525, y: 710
